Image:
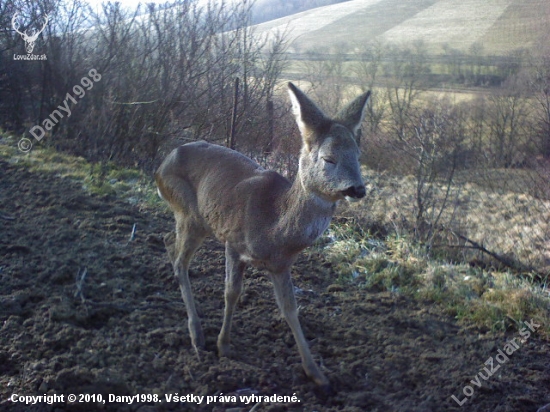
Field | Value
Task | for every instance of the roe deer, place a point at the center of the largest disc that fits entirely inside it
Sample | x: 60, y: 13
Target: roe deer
x: 262, y: 218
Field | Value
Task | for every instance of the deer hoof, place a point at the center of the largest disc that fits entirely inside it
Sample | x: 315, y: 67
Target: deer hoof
x: 197, y: 340
x: 224, y: 350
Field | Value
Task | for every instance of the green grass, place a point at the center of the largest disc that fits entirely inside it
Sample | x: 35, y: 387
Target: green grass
x: 492, y: 299
x: 100, y: 179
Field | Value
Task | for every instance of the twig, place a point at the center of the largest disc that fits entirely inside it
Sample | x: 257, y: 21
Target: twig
x: 445, y: 246
x: 132, y: 103
x: 188, y: 370
x: 80, y: 284
x: 510, y: 263
x: 255, y: 407
x: 133, y: 234
x: 6, y: 217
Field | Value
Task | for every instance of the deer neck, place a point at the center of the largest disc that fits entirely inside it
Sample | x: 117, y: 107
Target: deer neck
x: 304, y: 215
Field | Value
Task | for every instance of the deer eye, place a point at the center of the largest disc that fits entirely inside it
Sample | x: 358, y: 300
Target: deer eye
x: 329, y: 160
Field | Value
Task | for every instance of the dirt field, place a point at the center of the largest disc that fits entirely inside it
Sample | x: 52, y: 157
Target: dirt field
x: 83, y: 310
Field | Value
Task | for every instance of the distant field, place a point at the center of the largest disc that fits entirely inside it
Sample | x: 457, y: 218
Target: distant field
x: 456, y: 23
x: 523, y: 24
x: 301, y: 25
x: 500, y: 26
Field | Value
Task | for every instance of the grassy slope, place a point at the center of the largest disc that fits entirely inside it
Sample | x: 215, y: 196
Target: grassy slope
x: 458, y: 24
x: 500, y: 25
x: 524, y: 24
x: 366, y: 24
x: 301, y: 25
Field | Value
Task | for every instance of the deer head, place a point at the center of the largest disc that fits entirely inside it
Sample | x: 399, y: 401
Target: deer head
x: 28, y: 38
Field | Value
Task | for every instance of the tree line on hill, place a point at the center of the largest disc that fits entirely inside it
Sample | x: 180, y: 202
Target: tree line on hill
x: 503, y: 125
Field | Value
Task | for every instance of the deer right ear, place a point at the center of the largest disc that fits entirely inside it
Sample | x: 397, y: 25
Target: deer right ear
x: 352, y: 115
x: 309, y: 117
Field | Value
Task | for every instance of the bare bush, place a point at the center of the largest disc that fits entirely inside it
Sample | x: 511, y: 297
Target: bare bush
x: 167, y: 75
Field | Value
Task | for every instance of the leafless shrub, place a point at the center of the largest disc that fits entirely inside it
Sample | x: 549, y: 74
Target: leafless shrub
x: 167, y: 76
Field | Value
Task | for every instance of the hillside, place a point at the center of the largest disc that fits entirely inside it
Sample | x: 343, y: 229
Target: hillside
x: 265, y: 10
x: 500, y: 26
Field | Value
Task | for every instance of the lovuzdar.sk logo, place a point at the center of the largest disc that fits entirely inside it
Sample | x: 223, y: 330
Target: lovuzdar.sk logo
x: 29, y: 36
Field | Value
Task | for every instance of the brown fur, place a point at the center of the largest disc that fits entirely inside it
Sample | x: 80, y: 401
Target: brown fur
x: 262, y: 218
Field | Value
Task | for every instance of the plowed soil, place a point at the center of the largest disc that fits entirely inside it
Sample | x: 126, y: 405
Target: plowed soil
x: 86, y: 310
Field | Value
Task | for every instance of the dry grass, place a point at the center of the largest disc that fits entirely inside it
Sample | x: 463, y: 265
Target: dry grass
x: 522, y: 25
x: 317, y: 20
x: 511, y: 224
x: 458, y: 24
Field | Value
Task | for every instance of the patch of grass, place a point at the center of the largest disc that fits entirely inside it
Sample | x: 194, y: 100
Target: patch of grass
x: 7, y: 150
x: 396, y: 277
x: 494, y: 300
x: 100, y: 179
x: 124, y: 174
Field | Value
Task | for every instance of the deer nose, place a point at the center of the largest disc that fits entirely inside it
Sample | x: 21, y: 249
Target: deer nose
x: 356, y: 192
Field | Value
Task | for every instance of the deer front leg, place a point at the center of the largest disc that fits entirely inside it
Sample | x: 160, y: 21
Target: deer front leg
x: 234, y: 269
x: 193, y: 322
x: 284, y: 293
x: 185, y: 246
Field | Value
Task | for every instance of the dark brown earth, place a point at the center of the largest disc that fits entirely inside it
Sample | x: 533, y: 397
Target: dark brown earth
x: 125, y: 332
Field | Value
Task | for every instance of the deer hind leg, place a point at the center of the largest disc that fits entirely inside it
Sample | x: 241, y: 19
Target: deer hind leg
x: 284, y: 294
x: 188, y: 240
x: 234, y: 269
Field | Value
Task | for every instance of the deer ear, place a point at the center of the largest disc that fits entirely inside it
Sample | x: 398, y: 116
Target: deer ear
x: 309, y: 117
x: 353, y: 114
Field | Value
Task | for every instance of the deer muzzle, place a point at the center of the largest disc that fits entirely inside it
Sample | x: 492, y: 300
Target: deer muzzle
x: 354, y: 193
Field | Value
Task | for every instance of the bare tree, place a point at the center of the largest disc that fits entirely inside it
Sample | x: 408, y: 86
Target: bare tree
x: 326, y: 70
x: 404, y: 71
x: 540, y: 86
x: 507, y: 121
x: 166, y: 75
x: 367, y: 69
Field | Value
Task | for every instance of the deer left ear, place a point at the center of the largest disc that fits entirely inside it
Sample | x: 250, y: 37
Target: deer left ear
x: 353, y: 114
x: 310, y: 119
